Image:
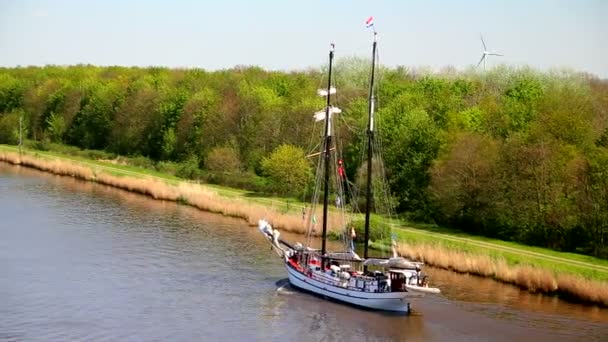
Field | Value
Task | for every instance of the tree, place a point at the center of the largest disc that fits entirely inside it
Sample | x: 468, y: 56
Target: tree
x: 35, y: 104
x: 591, y: 177
x: 521, y: 101
x: 92, y: 125
x: 288, y: 170
x: 465, y: 185
x: 260, y: 121
x: 9, y: 127
x: 411, y: 142
x: 56, y: 127
x: 133, y: 120
x: 200, y: 126
x: 539, y: 195
x: 470, y: 120
x: 11, y: 93
x: 168, y: 145
x: 169, y: 111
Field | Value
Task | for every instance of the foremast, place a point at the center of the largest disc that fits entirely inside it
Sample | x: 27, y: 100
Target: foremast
x: 329, y: 110
x: 370, y: 140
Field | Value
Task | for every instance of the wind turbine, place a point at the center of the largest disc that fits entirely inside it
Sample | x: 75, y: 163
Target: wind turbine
x: 485, y: 53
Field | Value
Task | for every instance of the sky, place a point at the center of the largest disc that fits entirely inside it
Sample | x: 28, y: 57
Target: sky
x: 295, y: 35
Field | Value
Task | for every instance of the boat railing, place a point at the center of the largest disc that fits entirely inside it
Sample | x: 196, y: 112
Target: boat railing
x: 342, y: 283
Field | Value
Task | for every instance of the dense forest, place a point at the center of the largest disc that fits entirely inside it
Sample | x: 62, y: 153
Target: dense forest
x: 509, y: 153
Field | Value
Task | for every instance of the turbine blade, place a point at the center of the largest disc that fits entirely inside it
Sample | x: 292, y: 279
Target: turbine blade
x: 495, y: 54
x: 481, y: 60
x: 484, y: 43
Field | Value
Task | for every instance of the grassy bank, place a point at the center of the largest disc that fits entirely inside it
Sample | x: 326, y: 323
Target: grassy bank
x: 213, y: 199
x: 535, y: 269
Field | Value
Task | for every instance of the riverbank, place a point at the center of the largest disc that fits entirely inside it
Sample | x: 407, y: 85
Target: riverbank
x: 195, y: 195
x: 534, y: 269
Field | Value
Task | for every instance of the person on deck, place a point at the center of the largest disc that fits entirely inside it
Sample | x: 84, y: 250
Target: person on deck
x: 341, y: 177
x: 341, y: 172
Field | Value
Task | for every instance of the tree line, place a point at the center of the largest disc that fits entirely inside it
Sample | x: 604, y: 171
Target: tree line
x: 510, y: 153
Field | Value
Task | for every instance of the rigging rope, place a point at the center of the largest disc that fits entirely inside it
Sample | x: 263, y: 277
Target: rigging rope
x: 318, y: 187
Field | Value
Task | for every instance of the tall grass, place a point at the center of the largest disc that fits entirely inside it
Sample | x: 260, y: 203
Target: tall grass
x: 527, y: 277
x: 185, y: 193
x: 533, y: 279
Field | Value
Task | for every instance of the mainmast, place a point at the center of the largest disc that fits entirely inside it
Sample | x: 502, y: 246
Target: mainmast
x: 327, y: 135
x: 370, y: 139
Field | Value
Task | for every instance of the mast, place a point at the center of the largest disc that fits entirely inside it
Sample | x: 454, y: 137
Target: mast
x: 370, y: 139
x: 327, y: 136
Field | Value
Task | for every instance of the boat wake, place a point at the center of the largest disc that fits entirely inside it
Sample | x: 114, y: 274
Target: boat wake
x: 284, y: 287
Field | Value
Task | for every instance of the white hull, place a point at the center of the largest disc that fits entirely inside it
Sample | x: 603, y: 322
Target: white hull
x: 387, y: 301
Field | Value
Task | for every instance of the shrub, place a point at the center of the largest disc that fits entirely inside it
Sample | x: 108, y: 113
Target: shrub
x: 56, y: 127
x: 167, y: 167
x: 188, y: 169
x: 223, y: 159
x: 9, y: 128
x: 244, y: 180
x: 379, y: 231
x: 141, y: 161
x: 42, y: 145
x: 287, y: 169
x: 65, y: 149
x: 97, y: 155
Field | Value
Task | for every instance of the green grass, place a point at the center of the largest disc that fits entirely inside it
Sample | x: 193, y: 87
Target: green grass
x: 513, y: 253
x: 291, y: 205
x: 112, y: 168
x: 516, y: 254
x: 509, y: 244
x: 451, y: 232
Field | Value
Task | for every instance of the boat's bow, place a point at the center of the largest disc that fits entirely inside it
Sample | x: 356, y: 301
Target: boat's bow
x: 272, y: 235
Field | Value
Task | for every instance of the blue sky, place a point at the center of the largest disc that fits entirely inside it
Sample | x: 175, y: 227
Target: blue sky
x: 294, y: 35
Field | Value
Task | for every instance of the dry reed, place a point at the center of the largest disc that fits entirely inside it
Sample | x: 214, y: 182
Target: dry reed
x: 191, y: 194
x: 526, y: 277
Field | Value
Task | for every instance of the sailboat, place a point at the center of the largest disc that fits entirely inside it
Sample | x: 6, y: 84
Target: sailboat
x: 385, y: 284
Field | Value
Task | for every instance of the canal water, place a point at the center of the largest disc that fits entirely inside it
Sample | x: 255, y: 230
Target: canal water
x: 82, y: 261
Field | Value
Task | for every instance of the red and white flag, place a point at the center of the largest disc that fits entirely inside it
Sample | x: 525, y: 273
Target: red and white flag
x: 369, y: 22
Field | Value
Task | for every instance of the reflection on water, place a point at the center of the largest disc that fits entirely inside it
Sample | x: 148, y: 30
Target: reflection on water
x: 458, y: 287
x: 80, y: 261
